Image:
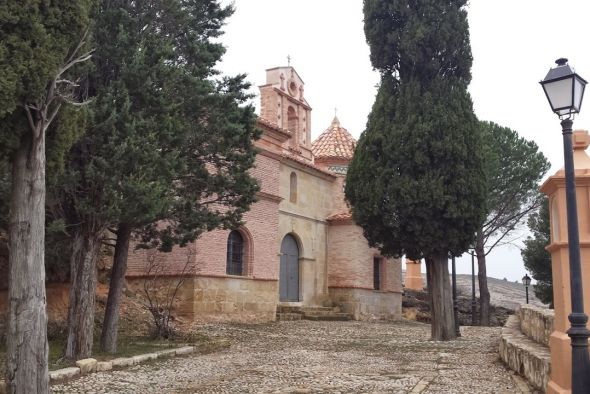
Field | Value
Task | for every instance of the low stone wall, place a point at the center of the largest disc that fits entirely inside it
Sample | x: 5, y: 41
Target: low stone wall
x: 536, y: 323
x: 235, y: 299
x: 524, y: 355
x: 366, y: 304
x: 220, y: 299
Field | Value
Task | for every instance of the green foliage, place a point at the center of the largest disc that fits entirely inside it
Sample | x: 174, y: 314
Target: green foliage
x: 416, y: 183
x: 35, y: 39
x: 514, y: 167
x: 536, y: 259
x: 425, y: 39
x: 167, y: 139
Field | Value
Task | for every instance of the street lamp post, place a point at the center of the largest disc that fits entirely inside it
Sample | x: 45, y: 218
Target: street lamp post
x: 473, y: 302
x: 455, y: 306
x: 526, y: 281
x: 565, y: 90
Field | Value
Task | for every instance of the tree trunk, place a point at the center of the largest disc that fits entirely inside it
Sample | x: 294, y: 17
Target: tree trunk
x: 441, y: 303
x: 484, y: 293
x: 26, y: 342
x: 85, y: 253
x: 108, y: 339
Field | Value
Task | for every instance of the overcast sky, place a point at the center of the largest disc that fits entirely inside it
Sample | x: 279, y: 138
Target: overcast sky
x: 514, y: 43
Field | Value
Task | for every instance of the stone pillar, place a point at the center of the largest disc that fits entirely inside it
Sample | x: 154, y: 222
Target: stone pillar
x: 414, y: 275
x: 554, y: 188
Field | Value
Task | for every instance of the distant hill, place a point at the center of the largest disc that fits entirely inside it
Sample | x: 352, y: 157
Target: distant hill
x: 502, y: 292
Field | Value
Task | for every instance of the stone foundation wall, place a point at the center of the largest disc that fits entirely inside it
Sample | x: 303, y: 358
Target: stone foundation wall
x: 220, y: 299
x: 365, y: 304
x: 235, y: 299
x: 536, y: 323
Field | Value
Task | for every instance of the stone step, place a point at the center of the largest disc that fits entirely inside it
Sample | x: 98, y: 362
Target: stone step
x: 331, y: 313
x: 289, y: 316
x: 306, y: 309
x: 523, y: 355
x: 331, y: 316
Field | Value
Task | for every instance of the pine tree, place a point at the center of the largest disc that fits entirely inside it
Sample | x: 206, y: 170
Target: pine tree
x: 536, y: 258
x: 514, y: 167
x: 41, y: 46
x: 168, y: 147
x: 416, y: 183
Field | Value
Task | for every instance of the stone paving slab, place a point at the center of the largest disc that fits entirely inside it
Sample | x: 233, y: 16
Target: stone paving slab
x: 321, y: 357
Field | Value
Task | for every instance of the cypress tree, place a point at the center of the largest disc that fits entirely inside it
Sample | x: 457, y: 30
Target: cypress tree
x: 42, y: 45
x: 168, y: 147
x: 416, y: 183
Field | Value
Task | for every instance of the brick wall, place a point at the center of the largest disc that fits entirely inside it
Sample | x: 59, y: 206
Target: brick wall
x: 350, y: 261
x: 209, y: 253
x: 260, y: 233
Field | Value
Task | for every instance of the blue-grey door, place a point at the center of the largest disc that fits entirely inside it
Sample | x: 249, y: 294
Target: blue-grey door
x: 289, y: 270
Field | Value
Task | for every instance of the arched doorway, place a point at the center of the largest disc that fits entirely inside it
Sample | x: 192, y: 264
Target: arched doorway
x: 289, y: 270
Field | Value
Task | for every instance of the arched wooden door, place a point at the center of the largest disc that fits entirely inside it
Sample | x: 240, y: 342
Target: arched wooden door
x: 289, y: 270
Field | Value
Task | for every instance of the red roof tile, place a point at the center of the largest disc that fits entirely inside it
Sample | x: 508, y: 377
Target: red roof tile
x: 335, y: 142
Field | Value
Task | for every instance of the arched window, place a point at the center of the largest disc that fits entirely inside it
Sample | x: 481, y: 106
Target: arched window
x: 377, y: 282
x: 235, y: 253
x: 293, y: 188
x: 292, y: 120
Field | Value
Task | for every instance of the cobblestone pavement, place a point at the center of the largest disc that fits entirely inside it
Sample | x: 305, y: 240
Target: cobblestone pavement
x: 322, y: 357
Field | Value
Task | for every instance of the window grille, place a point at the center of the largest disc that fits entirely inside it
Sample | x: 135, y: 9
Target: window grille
x: 235, y: 253
x: 377, y: 273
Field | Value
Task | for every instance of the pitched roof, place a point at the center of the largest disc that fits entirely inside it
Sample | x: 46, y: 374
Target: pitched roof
x: 335, y: 142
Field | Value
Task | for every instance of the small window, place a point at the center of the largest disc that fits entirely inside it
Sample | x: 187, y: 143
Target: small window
x: 377, y: 273
x: 235, y: 253
x: 293, y: 188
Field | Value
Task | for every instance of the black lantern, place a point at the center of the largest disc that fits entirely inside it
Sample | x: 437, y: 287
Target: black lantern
x: 564, y: 89
x: 526, y: 281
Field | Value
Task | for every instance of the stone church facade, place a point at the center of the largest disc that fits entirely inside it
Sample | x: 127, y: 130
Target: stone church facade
x: 298, y: 245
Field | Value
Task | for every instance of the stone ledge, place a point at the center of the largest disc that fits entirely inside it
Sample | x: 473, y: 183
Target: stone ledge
x: 536, y: 323
x: 63, y: 374
x: 104, y: 366
x: 93, y: 365
x: 185, y: 350
x: 87, y: 365
x: 142, y: 358
x: 525, y: 356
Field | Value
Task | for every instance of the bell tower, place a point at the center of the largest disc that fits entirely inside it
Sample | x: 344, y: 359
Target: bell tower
x: 283, y: 103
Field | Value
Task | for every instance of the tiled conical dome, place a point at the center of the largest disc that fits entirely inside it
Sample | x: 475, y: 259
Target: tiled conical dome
x: 336, y: 142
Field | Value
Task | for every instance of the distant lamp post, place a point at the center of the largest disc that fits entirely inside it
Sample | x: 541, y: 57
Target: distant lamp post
x: 473, y: 302
x: 526, y: 281
x: 564, y: 90
x: 455, y: 306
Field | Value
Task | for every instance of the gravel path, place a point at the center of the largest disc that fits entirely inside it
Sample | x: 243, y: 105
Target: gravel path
x: 322, y: 357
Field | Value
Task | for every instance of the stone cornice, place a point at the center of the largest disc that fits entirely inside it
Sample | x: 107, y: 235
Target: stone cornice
x: 554, y: 246
x: 307, y: 167
x: 269, y: 197
x: 557, y: 181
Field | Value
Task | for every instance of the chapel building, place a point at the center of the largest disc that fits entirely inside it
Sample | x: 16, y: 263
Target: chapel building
x: 298, y: 245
